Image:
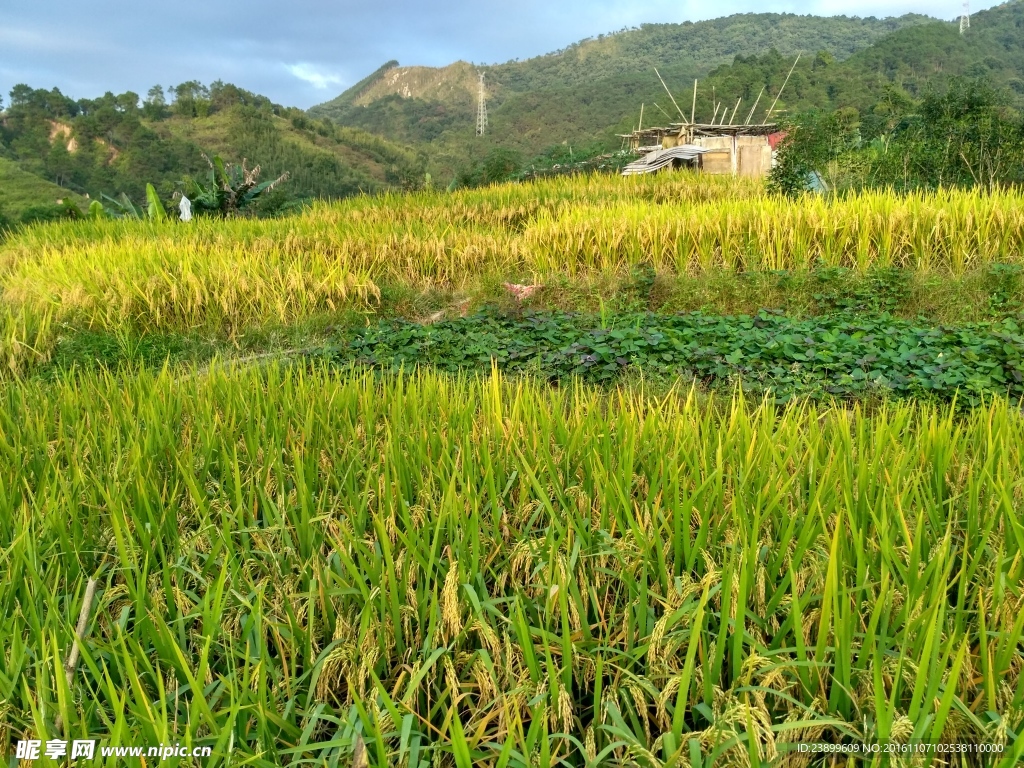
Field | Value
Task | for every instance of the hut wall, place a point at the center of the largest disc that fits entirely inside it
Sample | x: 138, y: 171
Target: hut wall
x: 754, y: 156
x: 720, y: 160
x: 736, y: 155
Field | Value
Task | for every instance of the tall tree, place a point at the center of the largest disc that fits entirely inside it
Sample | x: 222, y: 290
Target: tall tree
x: 155, y: 106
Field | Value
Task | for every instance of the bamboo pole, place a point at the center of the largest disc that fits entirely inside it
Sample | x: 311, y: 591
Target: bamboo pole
x: 693, y: 108
x: 670, y: 95
x: 772, y: 108
x: 83, y: 621
x: 751, y: 114
x: 735, y: 109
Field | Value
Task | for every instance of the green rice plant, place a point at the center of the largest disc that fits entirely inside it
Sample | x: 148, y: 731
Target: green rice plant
x: 295, y: 563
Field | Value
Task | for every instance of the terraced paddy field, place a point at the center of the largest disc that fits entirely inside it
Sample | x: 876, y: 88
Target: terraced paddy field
x: 742, y: 474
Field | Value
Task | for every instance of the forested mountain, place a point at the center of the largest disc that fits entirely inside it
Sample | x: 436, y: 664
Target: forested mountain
x: 902, y: 65
x: 577, y: 93
x: 694, y: 47
x: 116, y: 144
x: 593, y: 90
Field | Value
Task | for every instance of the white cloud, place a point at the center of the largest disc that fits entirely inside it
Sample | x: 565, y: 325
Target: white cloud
x: 316, y: 77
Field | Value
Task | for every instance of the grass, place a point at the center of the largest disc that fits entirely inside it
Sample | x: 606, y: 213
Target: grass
x: 478, y: 572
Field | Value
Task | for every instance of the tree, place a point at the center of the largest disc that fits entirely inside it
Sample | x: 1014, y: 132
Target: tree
x: 191, y: 99
x: 963, y: 136
x: 21, y: 95
x: 127, y: 102
x: 501, y: 164
x: 155, y: 106
x: 825, y: 143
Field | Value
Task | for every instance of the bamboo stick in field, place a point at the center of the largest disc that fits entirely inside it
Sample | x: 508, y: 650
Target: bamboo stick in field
x: 753, y: 108
x: 83, y: 620
x: 359, y: 754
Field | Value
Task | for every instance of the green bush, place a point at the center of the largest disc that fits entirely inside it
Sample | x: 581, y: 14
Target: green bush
x: 41, y: 213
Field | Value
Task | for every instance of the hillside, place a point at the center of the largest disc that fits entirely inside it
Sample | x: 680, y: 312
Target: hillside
x: 593, y: 90
x: 456, y: 82
x: 419, y: 104
x: 20, y: 192
x: 113, y: 144
x: 913, y: 58
x: 701, y: 46
x: 322, y: 160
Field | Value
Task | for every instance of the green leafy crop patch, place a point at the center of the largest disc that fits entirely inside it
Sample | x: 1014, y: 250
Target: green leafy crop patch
x: 836, y: 355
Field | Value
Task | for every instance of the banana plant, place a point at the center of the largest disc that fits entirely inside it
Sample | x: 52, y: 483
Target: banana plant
x: 227, y: 189
x: 122, y: 207
x: 154, y: 208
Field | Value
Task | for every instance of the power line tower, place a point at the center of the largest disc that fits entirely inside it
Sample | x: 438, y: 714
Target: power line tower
x: 965, y: 17
x: 481, y: 109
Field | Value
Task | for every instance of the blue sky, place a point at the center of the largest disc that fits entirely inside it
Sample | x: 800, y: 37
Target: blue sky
x: 302, y: 52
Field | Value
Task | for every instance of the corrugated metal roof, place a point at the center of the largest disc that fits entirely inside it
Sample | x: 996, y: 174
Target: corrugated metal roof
x: 661, y: 158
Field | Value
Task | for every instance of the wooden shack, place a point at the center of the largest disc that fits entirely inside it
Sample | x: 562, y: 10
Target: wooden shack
x: 738, y: 150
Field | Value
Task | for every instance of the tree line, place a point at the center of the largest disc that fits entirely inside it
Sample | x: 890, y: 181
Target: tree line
x: 966, y: 134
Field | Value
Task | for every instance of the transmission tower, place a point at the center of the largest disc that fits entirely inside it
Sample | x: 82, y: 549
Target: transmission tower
x: 481, y: 109
x: 965, y: 17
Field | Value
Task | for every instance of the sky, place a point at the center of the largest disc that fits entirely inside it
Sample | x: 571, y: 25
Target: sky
x: 304, y: 52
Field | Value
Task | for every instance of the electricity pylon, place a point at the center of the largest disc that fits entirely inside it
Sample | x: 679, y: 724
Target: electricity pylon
x: 965, y: 17
x: 481, y: 109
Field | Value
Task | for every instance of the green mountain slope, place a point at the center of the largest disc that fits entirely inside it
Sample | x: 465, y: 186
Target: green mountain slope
x: 20, y: 191
x: 912, y: 58
x: 593, y: 90
x: 111, y: 145
x: 421, y: 104
x: 698, y: 46
x: 898, y: 68
x: 322, y: 160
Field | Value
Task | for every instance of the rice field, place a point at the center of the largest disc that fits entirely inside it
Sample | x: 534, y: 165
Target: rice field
x: 313, y: 564
x: 230, y: 276
x: 295, y: 564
